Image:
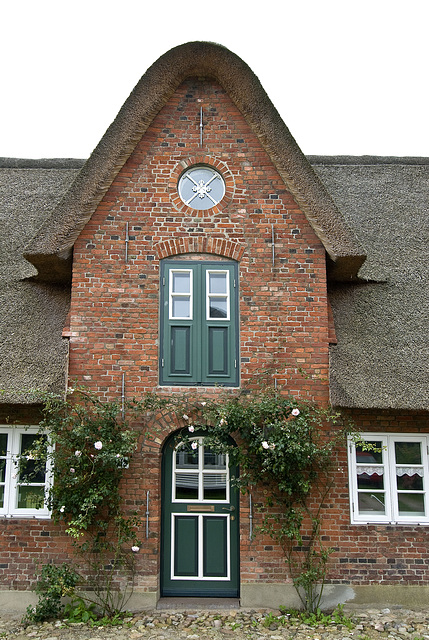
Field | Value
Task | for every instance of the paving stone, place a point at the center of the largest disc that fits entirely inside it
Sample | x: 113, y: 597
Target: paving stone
x: 243, y: 624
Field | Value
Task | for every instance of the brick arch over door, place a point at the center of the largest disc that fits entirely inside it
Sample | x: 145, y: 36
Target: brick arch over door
x: 217, y: 246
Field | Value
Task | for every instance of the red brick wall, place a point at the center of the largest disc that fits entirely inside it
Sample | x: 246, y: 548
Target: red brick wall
x: 375, y: 553
x: 283, y: 309
x: 26, y: 543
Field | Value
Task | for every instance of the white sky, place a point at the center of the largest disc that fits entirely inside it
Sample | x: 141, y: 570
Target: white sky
x: 347, y: 76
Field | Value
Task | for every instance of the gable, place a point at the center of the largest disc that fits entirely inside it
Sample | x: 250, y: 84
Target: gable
x: 142, y: 234
x: 50, y: 250
x: 145, y: 190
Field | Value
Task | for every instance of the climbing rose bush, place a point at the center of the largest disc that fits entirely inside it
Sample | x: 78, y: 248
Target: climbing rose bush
x: 92, y: 448
x: 287, y: 448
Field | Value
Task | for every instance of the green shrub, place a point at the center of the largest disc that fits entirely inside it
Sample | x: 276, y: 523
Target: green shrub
x: 54, y: 584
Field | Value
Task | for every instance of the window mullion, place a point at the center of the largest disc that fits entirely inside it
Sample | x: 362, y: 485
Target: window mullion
x: 391, y: 481
x: 200, y: 469
x: 198, y: 301
x: 7, y: 474
x: 14, y: 471
x: 425, y: 458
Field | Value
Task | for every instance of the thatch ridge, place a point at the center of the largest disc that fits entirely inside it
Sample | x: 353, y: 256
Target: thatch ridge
x: 41, y: 163
x: 366, y: 160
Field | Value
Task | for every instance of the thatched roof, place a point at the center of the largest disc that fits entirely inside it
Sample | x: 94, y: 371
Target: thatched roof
x: 381, y: 359
x: 50, y: 250
x: 32, y: 315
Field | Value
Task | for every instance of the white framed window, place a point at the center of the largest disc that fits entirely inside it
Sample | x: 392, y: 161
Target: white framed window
x: 23, y: 486
x: 217, y: 295
x: 388, y: 476
x: 180, y: 294
x: 200, y: 474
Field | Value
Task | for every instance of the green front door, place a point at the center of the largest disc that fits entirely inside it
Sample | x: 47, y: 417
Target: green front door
x: 199, y: 522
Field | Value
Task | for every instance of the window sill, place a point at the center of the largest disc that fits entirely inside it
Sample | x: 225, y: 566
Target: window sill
x: 25, y: 516
x: 389, y: 523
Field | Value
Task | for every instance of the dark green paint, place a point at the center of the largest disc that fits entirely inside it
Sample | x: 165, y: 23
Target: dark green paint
x: 199, y: 351
x: 186, y: 546
x: 214, y: 546
x: 214, y: 542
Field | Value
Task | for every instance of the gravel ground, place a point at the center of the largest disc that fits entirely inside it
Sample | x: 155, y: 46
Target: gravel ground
x: 241, y: 624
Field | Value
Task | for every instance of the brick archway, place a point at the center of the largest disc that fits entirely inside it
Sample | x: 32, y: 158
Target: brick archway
x: 216, y: 246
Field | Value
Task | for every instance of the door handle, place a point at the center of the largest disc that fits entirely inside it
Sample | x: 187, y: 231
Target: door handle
x: 231, y: 508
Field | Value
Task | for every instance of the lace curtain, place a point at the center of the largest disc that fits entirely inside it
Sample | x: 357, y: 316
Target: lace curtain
x: 400, y: 471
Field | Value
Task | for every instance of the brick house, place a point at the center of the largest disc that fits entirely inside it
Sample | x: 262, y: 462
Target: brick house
x: 197, y: 224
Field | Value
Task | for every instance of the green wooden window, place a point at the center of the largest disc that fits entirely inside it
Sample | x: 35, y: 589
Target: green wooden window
x: 199, y: 323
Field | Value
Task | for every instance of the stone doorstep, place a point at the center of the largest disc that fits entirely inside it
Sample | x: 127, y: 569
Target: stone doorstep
x: 186, y: 604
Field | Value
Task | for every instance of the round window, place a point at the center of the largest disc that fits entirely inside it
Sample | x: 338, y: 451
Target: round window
x: 201, y: 187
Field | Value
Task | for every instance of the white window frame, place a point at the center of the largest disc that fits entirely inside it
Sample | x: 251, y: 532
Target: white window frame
x: 200, y: 471
x: 221, y: 296
x: 391, y: 515
x: 176, y: 294
x: 11, y: 483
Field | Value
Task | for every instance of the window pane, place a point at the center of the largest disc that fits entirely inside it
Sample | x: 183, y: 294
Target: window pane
x: 409, y: 481
x: 31, y: 497
x: 370, y: 503
x: 181, y: 307
x: 214, y: 486
x: 370, y: 456
x: 30, y: 440
x: 181, y: 282
x: 1, y: 497
x: 2, y: 469
x: 186, y: 459
x: 3, y: 444
x: 218, y: 282
x: 187, y: 486
x: 32, y: 469
x: 367, y: 481
x: 408, y: 453
x: 218, y: 308
x: 411, y: 505
x: 214, y: 460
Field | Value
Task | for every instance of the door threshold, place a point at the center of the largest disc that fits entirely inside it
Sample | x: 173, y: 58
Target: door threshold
x: 191, y: 603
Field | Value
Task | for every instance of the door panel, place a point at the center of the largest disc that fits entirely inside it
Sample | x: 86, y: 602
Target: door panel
x: 218, y: 351
x: 185, y: 536
x: 215, y: 547
x: 180, y: 356
x: 199, y: 522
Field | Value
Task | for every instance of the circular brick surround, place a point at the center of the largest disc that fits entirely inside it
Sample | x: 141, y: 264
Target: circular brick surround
x: 184, y: 165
